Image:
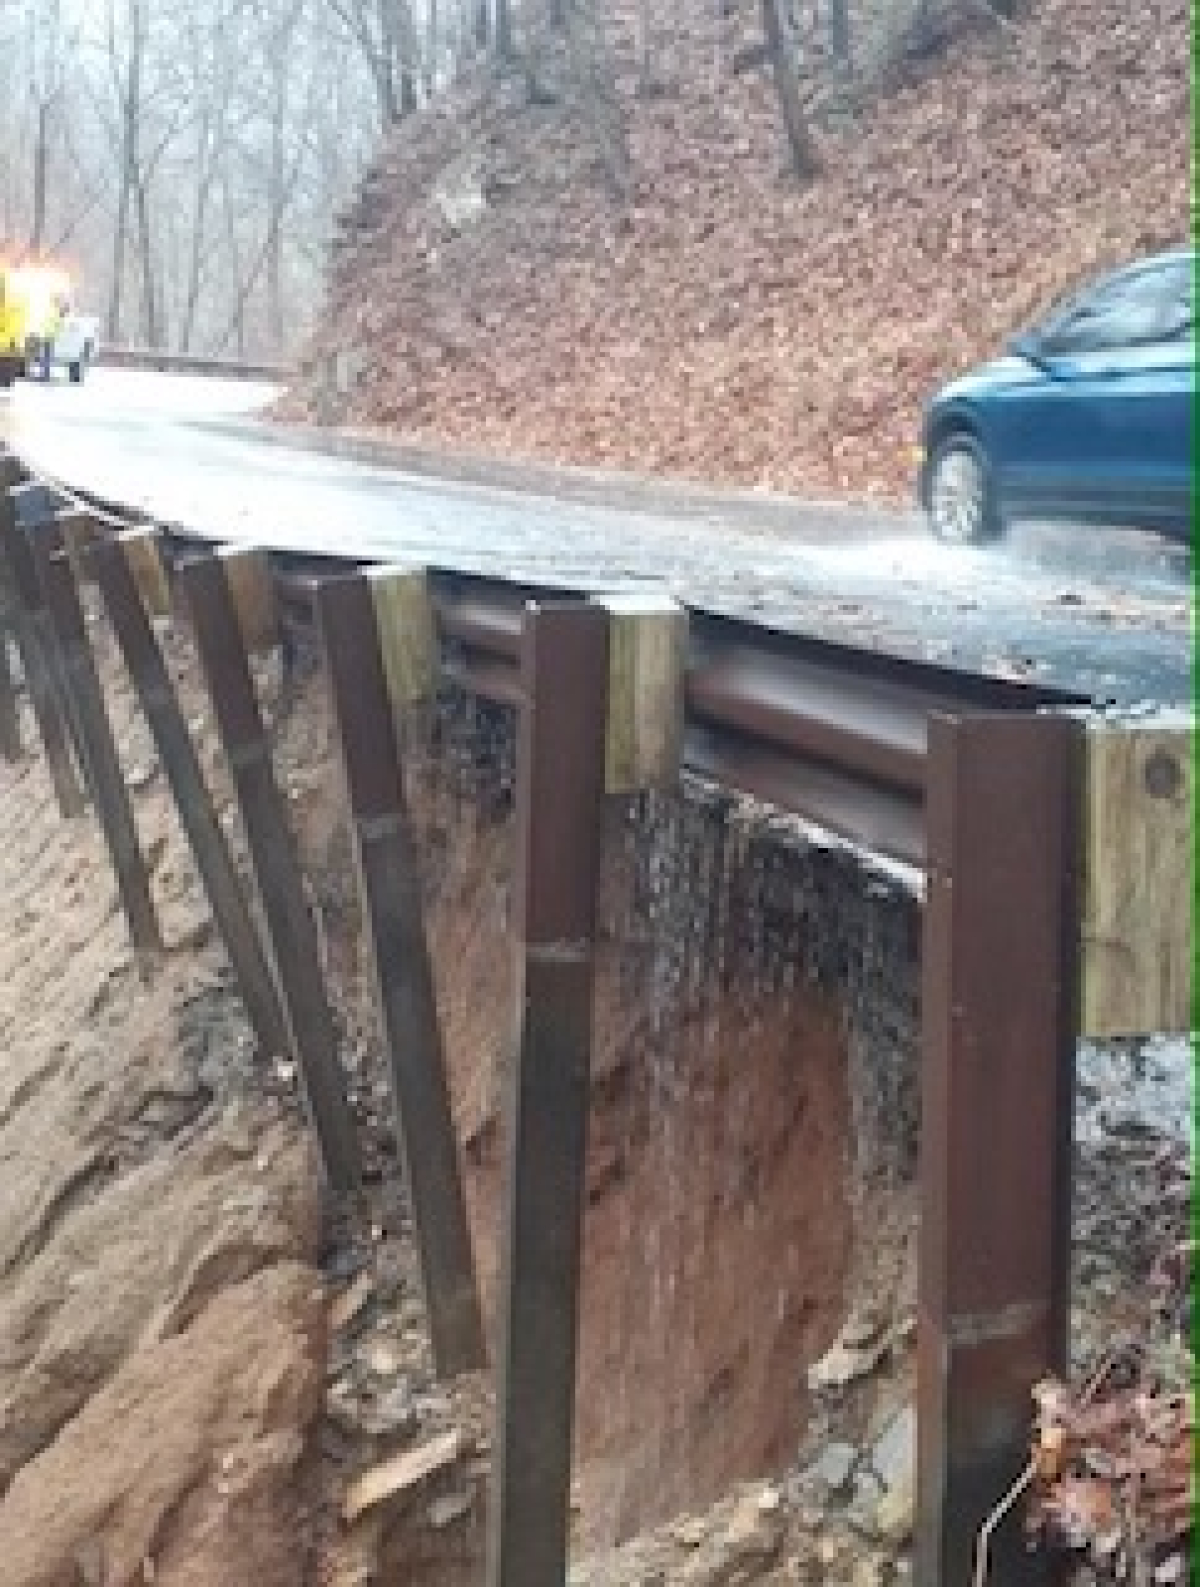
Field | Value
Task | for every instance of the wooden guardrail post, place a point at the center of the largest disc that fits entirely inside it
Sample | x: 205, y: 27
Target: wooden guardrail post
x: 389, y: 877
x: 647, y: 656
x: 1139, y: 955
x: 124, y: 567
x: 1000, y: 1021
x: 218, y: 630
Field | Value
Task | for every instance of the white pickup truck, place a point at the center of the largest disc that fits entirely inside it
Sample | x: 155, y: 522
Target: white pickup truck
x: 73, y: 348
x: 40, y: 328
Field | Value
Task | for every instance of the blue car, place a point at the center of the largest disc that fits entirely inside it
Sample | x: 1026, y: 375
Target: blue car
x: 1087, y: 419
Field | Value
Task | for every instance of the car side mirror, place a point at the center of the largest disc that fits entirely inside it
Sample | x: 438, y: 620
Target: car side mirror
x: 1030, y: 346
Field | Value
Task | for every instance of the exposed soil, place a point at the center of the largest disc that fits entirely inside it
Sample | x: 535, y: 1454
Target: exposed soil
x: 198, y: 1361
x: 161, y: 1319
x: 720, y: 320
x: 720, y: 1234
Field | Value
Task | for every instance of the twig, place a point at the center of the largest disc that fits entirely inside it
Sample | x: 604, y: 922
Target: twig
x: 983, y: 1539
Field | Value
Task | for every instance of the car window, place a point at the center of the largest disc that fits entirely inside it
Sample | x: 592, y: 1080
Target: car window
x: 1136, y: 307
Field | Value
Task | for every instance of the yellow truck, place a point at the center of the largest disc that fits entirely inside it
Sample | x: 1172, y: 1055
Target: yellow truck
x: 39, y: 328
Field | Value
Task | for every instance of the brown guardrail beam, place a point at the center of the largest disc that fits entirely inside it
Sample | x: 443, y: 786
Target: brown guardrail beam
x: 219, y: 641
x: 40, y: 660
x: 560, y: 788
x: 999, y: 1023
x: 10, y: 717
x: 390, y: 888
x: 108, y: 561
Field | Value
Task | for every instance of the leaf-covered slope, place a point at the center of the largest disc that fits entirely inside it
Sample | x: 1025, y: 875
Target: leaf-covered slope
x: 722, y: 321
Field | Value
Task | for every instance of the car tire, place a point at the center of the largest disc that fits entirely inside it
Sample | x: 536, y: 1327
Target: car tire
x: 75, y: 372
x: 960, y: 498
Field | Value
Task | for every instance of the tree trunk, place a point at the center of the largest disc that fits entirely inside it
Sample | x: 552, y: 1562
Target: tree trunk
x: 151, y: 329
x: 275, y: 319
x: 482, y: 24
x: 502, y: 26
x: 112, y: 327
x: 432, y: 48
x: 645, y: 49
x: 802, y: 148
x: 238, y: 324
x: 41, y: 162
x: 839, y: 32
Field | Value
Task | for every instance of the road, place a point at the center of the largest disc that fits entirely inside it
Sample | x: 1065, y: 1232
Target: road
x: 1109, y: 614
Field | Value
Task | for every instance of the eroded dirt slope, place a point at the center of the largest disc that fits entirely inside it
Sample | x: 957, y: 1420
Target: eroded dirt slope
x: 161, y: 1320
x: 722, y: 321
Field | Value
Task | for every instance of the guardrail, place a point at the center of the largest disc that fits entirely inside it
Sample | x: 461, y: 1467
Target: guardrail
x: 169, y: 363
x: 980, y: 781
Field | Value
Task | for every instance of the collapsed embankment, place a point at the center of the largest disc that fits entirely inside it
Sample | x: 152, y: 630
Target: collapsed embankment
x: 198, y: 1360
x: 753, y: 1128
x: 162, y: 1201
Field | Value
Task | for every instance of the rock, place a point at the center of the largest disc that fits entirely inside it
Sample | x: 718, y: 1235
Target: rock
x: 750, y: 1534
x: 449, y: 1508
x: 138, y: 1263
x: 896, y: 1512
x: 895, y: 1450
x: 856, y: 1352
x: 867, y: 1572
x: 832, y: 1469
x: 398, y: 1476
x: 862, y: 1329
x: 383, y: 1358
x: 350, y: 1302
x: 868, y: 1491
x: 392, y: 1413
x: 688, y: 1533
x: 244, y: 1379
x: 342, y: 1405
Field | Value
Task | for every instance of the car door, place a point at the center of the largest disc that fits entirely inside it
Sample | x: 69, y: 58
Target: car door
x: 1146, y: 392
x: 1099, y: 430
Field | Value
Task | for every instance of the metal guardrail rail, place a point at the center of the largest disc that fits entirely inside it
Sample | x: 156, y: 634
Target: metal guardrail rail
x: 820, y: 729
x: 164, y: 362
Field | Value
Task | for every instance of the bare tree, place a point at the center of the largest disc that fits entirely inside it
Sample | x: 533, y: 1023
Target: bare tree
x: 47, y: 49
x: 387, y: 38
x: 802, y: 149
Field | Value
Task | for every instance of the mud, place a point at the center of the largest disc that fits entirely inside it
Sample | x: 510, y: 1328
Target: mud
x: 161, y: 1316
x: 178, y: 1402
x: 732, y: 1198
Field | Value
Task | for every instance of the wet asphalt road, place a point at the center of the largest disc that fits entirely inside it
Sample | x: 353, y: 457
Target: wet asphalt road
x: 1109, y: 615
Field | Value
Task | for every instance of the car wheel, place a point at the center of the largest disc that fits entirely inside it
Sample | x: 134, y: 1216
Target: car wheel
x: 960, y: 498
x: 75, y: 372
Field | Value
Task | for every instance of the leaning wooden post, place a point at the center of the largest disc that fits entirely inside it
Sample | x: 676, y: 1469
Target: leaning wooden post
x: 124, y: 566
x: 216, y: 622
x: 37, y: 662
x: 389, y: 877
x: 1000, y: 1022
x: 113, y: 805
